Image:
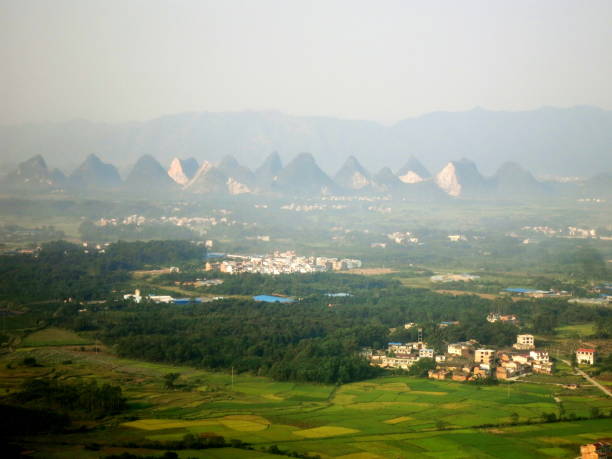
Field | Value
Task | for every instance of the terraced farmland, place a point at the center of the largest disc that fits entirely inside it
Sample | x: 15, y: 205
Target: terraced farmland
x: 395, y: 416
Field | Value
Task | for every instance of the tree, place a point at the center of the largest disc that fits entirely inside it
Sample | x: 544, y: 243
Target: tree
x: 441, y: 425
x: 421, y: 367
x: 170, y: 379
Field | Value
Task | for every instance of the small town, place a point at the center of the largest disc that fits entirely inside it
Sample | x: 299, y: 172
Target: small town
x: 282, y: 263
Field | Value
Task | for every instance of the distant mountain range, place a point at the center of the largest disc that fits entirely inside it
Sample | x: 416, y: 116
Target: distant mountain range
x: 300, y: 177
x: 573, y: 141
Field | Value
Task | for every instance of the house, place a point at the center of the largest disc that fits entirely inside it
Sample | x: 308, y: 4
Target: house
x: 161, y: 298
x: 403, y: 361
x: 503, y: 373
x: 402, y: 348
x: 544, y: 368
x: 133, y: 296
x: 426, y: 353
x: 482, y: 372
x: 510, y: 318
x: 539, y: 356
x: 460, y: 376
x: 524, y: 342
x: 496, y: 317
x: 439, y: 374
x: 584, y: 355
x: 510, y: 369
x: 597, y: 450
x: 484, y: 356
x: 460, y: 349
x: 493, y: 317
x: 521, y: 358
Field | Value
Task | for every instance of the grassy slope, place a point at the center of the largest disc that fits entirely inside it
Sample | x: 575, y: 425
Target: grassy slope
x: 53, y: 337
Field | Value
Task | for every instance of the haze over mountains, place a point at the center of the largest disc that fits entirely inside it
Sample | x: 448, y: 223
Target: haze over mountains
x: 300, y: 177
x: 573, y: 141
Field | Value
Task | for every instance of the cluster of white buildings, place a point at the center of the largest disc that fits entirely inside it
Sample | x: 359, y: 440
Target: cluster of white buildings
x: 284, y: 263
x: 570, y: 232
x: 189, y: 222
x: 356, y: 198
x: 465, y: 361
x: 583, y: 233
x: 403, y: 238
x: 463, y: 277
x: 457, y: 237
x: 399, y: 355
x: 136, y: 297
x: 312, y: 207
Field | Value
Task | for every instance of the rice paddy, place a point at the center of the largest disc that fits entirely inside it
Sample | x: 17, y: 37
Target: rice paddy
x: 394, y: 416
x: 325, y: 431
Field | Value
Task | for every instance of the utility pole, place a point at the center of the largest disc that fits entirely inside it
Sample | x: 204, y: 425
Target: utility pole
x: 232, y: 379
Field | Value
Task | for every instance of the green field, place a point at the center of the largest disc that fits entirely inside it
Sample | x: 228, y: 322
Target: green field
x: 395, y: 416
x: 579, y: 330
x: 53, y: 337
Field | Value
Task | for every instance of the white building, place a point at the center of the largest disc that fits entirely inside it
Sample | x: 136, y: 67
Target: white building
x: 403, y: 348
x: 584, y: 355
x: 161, y: 298
x: 426, y: 353
x: 459, y: 349
x: 133, y: 296
x: 524, y: 342
x: 484, y: 356
x: 539, y: 356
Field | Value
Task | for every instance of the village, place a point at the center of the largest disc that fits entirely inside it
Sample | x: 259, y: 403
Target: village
x: 470, y: 361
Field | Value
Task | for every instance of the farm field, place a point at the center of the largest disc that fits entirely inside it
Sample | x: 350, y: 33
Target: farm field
x: 53, y: 337
x: 394, y: 416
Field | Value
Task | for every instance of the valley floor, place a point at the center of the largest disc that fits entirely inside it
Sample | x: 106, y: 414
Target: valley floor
x: 388, y: 417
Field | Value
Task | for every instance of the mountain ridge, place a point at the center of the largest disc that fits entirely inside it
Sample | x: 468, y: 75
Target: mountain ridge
x: 553, y: 141
x: 301, y: 176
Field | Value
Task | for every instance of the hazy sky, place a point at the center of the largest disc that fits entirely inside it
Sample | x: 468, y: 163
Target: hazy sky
x: 383, y: 60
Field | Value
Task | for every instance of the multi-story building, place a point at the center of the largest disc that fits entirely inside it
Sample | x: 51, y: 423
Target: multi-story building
x: 426, y: 353
x: 484, y: 356
x: 524, y: 342
x: 585, y: 355
x: 460, y: 349
x: 539, y: 356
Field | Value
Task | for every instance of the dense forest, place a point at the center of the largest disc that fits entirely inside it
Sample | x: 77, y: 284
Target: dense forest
x: 61, y: 270
x: 318, y: 338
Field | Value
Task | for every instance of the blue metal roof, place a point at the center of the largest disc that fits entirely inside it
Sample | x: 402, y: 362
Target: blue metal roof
x: 520, y: 290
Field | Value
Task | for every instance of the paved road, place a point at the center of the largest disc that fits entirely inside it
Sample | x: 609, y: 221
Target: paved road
x: 604, y: 389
